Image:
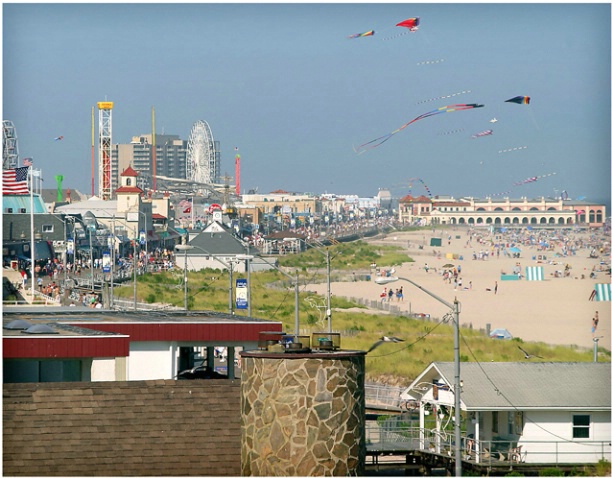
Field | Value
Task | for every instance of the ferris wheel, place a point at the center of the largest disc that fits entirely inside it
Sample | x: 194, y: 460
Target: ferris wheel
x: 10, y: 151
x: 202, y: 155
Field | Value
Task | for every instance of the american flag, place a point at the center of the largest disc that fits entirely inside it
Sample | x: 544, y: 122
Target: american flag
x: 27, y: 161
x: 15, y: 181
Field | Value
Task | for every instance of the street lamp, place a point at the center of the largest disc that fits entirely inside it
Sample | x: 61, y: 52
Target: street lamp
x: 230, y: 267
x: 455, y: 308
x: 328, y: 266
x: 297, y: 294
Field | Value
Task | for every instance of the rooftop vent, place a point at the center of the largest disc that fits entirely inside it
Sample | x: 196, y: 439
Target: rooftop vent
x: 18, y: 324
x: 40, y: 329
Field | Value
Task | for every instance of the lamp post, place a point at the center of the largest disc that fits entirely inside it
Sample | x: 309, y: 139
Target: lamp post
x: 297, y: 293
x: 230, y: 267
x: 91, y: 260
x: 328, y: 267
x: 455, y: 308
x: 134, y: 267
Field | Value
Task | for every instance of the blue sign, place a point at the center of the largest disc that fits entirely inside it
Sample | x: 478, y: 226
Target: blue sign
x: 143, y: 238
x: 242, y: 301
x: 106, y: 262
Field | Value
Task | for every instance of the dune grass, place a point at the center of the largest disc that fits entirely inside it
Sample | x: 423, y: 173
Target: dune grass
x: 273, y: 298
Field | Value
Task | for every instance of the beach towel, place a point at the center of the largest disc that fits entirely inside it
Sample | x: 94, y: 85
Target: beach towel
x: 604, y: 292
x: 534, y: 273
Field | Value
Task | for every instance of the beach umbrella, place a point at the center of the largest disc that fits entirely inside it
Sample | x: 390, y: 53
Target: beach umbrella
x: 446, y: 266
x: 500, y: 334
x: 514, y: 249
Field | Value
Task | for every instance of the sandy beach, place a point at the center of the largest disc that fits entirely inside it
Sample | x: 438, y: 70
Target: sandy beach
x: 556, y: 310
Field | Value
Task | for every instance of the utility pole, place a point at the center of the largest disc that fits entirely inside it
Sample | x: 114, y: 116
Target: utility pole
x: 457, y: 388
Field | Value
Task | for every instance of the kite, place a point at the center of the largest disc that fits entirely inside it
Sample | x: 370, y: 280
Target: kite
x: 446, y: 133
x: 512, y: 149
x: 484, y: 133
x: 494, y: 120
x: 533, y: 179
x: 422, y: 182
x: 59, y: 138
x: 520, y: 100
x: 411, y: 23
x: 444, y: 97
x: 365, y: 34
x: 444, y: 109
x: 430, y: 62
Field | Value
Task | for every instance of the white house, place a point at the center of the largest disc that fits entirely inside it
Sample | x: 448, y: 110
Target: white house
x: 532, y: 412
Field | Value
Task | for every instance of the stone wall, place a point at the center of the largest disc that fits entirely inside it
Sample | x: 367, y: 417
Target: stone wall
x: 303, y: 415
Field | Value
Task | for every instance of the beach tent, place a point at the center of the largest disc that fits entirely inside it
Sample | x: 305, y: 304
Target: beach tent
x: 500, y: 334
x: 534, y: 273
x: 604, y: 292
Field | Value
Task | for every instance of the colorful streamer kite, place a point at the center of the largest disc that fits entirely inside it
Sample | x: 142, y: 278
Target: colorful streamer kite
x: 533, y: 179
x: 365, y: 34
x: 484, y: 133
x: 444, y: 109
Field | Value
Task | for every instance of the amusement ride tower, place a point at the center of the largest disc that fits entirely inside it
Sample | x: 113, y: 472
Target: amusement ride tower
x: 105, y: 129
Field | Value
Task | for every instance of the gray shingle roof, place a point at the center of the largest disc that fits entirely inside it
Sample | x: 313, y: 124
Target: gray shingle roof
x: 220, y: 243
x: 524, y: 385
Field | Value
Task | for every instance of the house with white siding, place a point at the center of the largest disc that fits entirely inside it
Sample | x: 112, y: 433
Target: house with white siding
x: 529, y: 412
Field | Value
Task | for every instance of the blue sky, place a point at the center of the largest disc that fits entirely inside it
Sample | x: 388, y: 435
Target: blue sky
x: 285, y: 84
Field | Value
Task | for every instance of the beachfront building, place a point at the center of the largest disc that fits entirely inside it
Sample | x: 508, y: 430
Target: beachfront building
x: 542, y: 212
x: 170, y: 157
x: 77, y: 344
x: 521, y: 412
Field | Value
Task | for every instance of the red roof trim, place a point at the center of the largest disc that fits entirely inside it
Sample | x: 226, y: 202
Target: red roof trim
x: 59, y: 347
x: 129, y: 189
x: 156, y: 215
x: 176, y: 331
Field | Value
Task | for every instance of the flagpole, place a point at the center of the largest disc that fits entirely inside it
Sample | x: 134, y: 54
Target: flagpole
x: 32, y: 239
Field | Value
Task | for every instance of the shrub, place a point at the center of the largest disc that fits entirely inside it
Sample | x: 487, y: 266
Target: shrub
x: 551, y: 472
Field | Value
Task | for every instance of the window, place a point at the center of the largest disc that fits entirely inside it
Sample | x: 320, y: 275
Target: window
x: 511, y: 423
x: 581, y: 426
x: 494, y: 425
x: 47, y: 228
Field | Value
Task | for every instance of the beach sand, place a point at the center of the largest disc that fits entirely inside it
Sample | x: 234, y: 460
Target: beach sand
x: 555, y: 311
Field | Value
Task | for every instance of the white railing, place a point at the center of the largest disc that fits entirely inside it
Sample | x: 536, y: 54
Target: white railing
x: 383, y: 396
x: 391, y: 435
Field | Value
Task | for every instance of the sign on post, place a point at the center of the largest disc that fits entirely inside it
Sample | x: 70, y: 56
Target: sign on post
x: 106, y: 262
x: 242, y: 301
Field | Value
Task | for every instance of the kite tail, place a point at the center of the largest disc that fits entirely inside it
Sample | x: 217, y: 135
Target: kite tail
x: 396, y: 36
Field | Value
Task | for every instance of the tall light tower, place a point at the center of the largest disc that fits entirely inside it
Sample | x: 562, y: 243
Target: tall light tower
x: 105, y: 129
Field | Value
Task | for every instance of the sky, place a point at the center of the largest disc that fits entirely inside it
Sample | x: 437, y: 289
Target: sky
x: 285, y: 84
